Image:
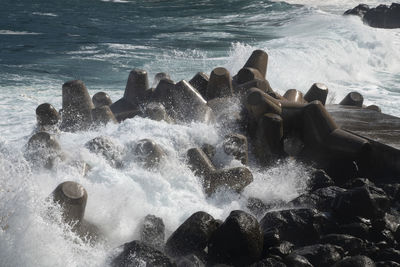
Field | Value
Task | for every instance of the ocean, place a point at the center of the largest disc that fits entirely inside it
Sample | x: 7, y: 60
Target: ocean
x: 46, y: 43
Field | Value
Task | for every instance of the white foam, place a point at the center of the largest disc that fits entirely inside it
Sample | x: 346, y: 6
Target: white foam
x: 8, y: 32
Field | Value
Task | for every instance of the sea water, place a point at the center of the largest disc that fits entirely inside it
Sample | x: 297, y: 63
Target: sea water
x: 46, y: 43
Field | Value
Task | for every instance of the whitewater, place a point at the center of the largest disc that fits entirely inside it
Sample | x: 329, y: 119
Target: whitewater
x: 44, y: 44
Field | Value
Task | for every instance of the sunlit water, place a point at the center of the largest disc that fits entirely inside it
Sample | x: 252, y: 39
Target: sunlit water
x: 45, y: 43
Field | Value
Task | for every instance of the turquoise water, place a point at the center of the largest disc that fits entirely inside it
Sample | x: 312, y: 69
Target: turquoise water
x: 45, y: 43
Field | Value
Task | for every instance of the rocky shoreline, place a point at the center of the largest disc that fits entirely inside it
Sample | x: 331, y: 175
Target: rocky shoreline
x: 349, y: 216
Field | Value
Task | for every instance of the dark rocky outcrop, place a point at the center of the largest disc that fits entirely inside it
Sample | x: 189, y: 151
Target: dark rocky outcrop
x: 238, y: 241
x: 382, y: 16
x: 137, y: 253
x: 192, y: 235
x: 152, y: 232
x: 320, y: 255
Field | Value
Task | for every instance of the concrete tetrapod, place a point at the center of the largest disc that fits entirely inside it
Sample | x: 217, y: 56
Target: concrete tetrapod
x: 101, y: 99
x: 200, y: 82
x: 72, y: 198
x: 189, y: 105
x: 258, y: 60
x: 47, y: 115
x: 318, y: 91
x: 163, y: 93
x: 353, y: 99
x: 42, y: 150
x: 269, y: 137
x: 149, y: 153
x: 103, y: 115
x: 294, y: 95
x: 77, y: 106
x: 220, y: 84
x: 258, y: 103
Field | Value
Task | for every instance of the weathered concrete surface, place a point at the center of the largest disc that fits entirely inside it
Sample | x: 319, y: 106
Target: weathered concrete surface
x: 373, y: 125
x: 383, y: 132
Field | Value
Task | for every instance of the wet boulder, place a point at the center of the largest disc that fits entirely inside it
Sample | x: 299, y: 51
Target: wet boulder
x: 356, y: 229
x: 365, y: 201
x: 359, y: 10
x: 320, y: 179
x: 190, y: 260
x: 192, y: 235
x: 383, y: 16
x: 355, y: 261
x: 350, y: 244
x: 137, y: 253
x: 238, y: 241
x: 152, y: 232
x: 295, y: 260
x: 282, y: 249
x: 320, y: 255
x: 294, y: 225
x: 320, y: 199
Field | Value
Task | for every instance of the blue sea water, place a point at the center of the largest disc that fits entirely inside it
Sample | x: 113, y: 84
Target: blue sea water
x: 45, y: 43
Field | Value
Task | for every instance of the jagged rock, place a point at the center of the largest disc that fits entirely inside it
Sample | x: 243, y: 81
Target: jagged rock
x: 320, y: 179
x: 192, y: 235
x: 152, y: 232
x: 355, y: 261
x: 294, y: 260
x: 360, y: 230
x: 320, y: 199
x: 364, y: 201
x: 294, y: 225
x: 383, y: 16
x: 359, y: 10
x: 320, y: 255
x: 351, y: 244
x: 137, y: 253
x: 107, y: 148
x: 238, y: 241
x: 282, y: 250
x: 236, y: 145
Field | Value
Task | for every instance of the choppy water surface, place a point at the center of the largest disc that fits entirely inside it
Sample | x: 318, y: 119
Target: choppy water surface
x: 45, y: 43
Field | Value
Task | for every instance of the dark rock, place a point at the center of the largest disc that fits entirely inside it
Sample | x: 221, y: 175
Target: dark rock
x: 236, y: 145
x: 388, y: 254
x: 46, y: 114
x: 192, y: 235
x: 209, y: 150
x: 383, y: 16
x: 387, y: 264
x: 384, y: 235
x: 294, y: 225
x: 268, y: 262
x: 43, y: 150
x: 392, y: 190
x: 271, y: 238
x: 152, y: 232
x: 190, y: 260
x: 235, y: 179
x: 357, y: 182
x: 282, y: 250
x: 359, y: 10
x: 355, y: 261
x: 320, y: 179
x: 387, y: 222
x: 369, y: 202
x: 101, y: 99
x: 104, y: 146
x: 137, y: 253
x: 320, y: 199
x: 320, y: 255
x: 351, y: 244
x: 360, y: 230
x: 294, y: 260
x: 238, y: 241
